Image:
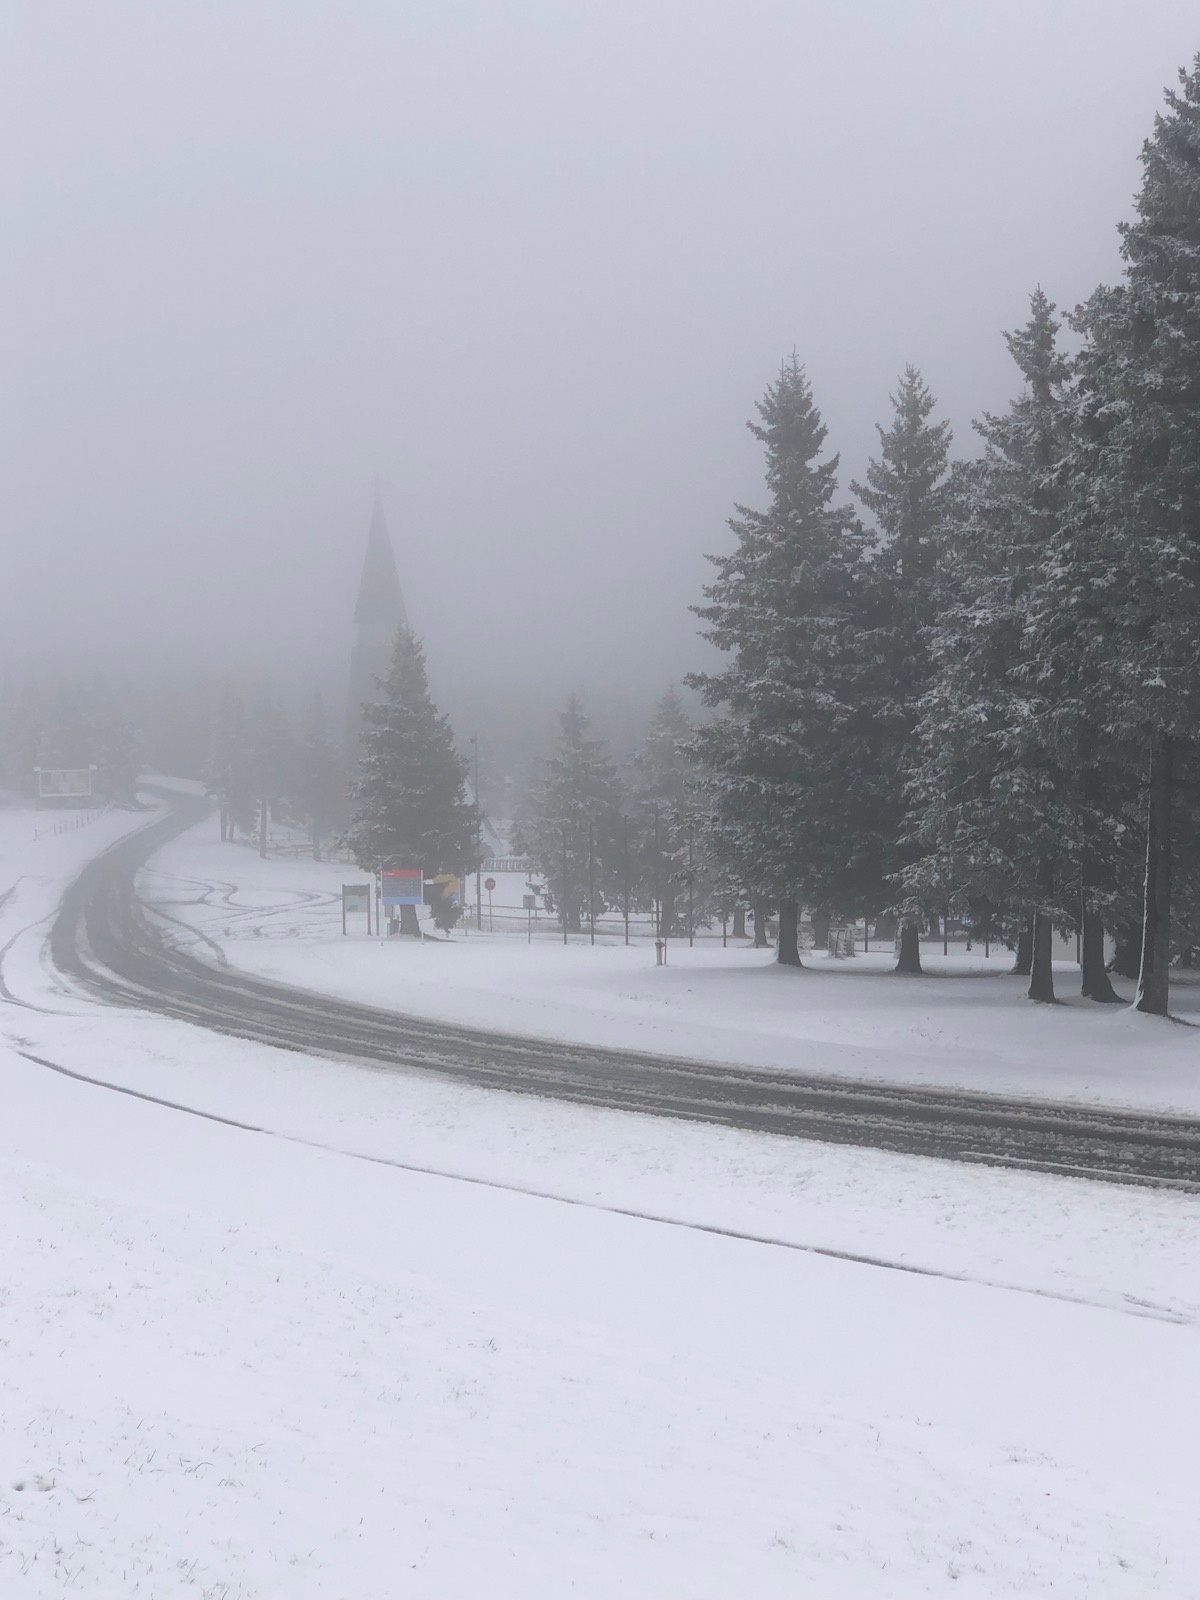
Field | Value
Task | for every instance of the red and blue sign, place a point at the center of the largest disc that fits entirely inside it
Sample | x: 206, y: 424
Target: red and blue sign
x: 403, y: 886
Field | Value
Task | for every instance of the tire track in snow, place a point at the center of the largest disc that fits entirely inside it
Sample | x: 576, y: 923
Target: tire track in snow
x: 103, y: 941
x: 1127, y: 1306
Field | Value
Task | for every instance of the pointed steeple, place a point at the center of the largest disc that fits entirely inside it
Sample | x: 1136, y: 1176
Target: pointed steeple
x: 380, y: 601
x: 378, y: 612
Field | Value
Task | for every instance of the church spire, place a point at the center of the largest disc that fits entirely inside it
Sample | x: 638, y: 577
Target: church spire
x: 378, y: 612
x: 380, y: 601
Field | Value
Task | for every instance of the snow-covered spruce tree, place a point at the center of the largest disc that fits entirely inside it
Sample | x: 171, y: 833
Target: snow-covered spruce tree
x: 571, y: 822
x: 991, y: 787
x: 905, y: 492
x: 668, y: 839
x: 410, y: 806
x: 787, y: 815
x: 1120, y: 609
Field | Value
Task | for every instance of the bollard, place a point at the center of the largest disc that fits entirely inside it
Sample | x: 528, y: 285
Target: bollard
x: 660, y: 952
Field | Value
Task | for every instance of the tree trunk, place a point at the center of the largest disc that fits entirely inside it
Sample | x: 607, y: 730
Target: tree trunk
x: 820, y: 928
x: 667, y: 915
x: 788, y: 954
x: 262, y: 830
x: 760, y: 922
x: 1127, y: 957
x: 1023, y: 965
x: 1094, y: 984
x: 739, y: 922
x: 409, y: 923
x: 1153, y: 991
x: 910, y: 948
x: 1041, y: 965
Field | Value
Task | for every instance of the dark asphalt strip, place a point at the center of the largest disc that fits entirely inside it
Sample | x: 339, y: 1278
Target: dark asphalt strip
x: 103, y: 941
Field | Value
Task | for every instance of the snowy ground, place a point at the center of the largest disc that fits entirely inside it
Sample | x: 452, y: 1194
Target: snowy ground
x: 968, y: 1024
x: 239, y: 1364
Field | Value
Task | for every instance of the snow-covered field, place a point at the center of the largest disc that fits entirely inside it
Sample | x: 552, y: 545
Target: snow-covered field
x: 256, y: 1364
x: 968, y: 1024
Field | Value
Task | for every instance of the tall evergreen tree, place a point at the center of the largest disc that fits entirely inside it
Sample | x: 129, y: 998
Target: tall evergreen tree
x: 410, y: 806
x: 906, y: 493
x: 785, y: 817
x: 1119, y: 615
x: 572, y: 822
x: 663, y: 822
x: 993, y: 786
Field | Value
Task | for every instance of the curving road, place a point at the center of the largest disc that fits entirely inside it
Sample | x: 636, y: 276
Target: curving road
x: 103, y: 940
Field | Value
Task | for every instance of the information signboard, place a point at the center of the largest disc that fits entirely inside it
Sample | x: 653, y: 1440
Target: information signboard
x: 356, y: 897
x: 402, y: 886
x: 65, y: 783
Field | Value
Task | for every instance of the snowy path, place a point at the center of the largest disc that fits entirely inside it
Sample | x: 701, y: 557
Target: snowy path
x: 238, y: 1366
x: 103, y: 939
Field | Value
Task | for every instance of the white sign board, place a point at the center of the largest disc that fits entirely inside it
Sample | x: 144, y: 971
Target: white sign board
x: 65, y: 783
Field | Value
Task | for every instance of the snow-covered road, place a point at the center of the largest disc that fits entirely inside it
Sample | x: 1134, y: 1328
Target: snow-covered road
x: 235, y: 1365
x: 967, y: 1026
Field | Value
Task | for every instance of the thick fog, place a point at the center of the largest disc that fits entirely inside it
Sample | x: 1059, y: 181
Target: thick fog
x: 528, y: 264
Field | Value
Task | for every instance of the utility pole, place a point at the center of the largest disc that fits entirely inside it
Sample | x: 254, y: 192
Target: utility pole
x: 478, y: 841
x: 563, y: 907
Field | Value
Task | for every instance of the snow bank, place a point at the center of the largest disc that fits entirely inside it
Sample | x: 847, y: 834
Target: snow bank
x: 237, y: 1365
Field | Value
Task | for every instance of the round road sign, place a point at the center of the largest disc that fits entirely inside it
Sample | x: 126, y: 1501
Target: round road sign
x: 489, y: 884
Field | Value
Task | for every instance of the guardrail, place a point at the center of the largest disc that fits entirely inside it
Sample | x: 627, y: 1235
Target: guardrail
x: 68, y: 823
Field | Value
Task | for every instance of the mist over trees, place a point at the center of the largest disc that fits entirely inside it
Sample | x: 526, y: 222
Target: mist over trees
x: 971, y: 691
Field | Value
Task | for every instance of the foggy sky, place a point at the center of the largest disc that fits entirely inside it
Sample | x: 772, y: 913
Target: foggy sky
x: 529, y: 263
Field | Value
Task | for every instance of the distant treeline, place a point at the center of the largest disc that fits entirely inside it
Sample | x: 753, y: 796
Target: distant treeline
x: 976, y: 694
